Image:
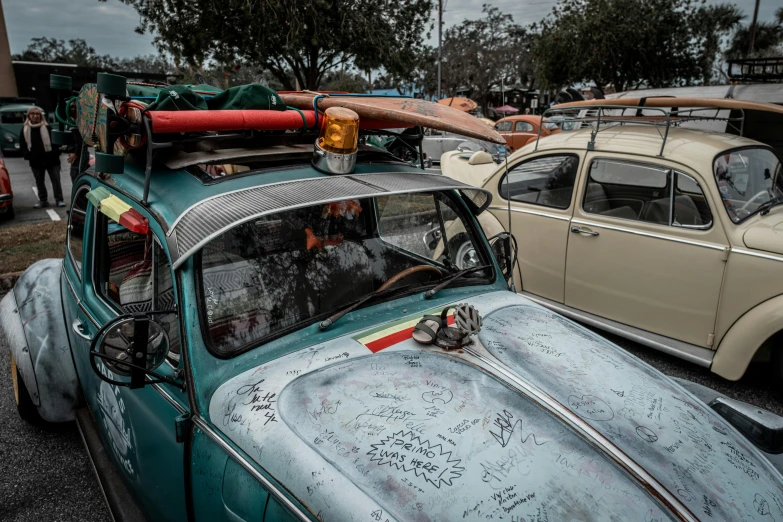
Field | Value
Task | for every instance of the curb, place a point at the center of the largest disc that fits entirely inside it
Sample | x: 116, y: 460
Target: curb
x: 7, y: 281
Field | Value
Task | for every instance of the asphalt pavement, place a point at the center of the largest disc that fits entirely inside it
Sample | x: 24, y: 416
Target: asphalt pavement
x: 25, y: 193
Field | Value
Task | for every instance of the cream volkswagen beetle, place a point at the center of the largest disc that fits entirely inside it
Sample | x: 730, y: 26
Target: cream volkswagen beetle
x: 600, y: 241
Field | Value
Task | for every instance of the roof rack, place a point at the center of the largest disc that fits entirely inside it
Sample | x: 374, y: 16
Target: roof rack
x: 596, y: 115
x: 756, y: 69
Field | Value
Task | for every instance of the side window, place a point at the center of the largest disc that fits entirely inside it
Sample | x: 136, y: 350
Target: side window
x: 134, y: 273
x: 503, y: 126
x: 523, y: 126
x: 644, y: 192
x: 76, y: 229
x: 547, y: 181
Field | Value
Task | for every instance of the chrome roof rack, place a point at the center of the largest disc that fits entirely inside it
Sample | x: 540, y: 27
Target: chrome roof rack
x: 662, y: 119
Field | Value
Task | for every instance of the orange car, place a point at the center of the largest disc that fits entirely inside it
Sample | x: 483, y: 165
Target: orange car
x: 6, y: 194
x: 519, y: 130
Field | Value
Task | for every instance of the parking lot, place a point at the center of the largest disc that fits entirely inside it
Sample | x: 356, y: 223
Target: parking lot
x: 26, y: 195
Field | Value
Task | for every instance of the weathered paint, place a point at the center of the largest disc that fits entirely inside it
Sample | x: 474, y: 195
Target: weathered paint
x: 341, y: 427
x: 42, y: 351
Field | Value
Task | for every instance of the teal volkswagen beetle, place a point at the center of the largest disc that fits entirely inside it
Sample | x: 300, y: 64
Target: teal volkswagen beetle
x: 255, y: 330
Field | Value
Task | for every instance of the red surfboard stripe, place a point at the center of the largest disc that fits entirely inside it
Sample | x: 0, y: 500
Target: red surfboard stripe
x: 396, y: 337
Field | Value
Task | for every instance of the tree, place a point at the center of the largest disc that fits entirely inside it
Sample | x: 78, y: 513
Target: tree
x: 769, y: 35
x: 713, y: 23
x: 52, y: 50
x: 303, y: 38
x: 623, y: 43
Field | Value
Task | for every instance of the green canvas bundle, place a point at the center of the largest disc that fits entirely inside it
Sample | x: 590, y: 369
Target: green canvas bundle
x: 184, y: 98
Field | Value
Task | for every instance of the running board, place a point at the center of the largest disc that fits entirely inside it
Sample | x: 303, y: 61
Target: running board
x: 688, y: 352
x: 122, y: 507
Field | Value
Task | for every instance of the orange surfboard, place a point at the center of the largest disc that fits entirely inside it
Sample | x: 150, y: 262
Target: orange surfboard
x: 401, y: 110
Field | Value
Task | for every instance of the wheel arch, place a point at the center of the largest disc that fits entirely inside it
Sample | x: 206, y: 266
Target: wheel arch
x: 746, y: 337
x: 31, y: 316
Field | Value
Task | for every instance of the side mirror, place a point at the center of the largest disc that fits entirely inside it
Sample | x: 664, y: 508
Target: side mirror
x: 130, y: 346
x: 504, y: 247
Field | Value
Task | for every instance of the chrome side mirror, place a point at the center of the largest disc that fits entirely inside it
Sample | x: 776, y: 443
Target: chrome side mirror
x: 130, y: 346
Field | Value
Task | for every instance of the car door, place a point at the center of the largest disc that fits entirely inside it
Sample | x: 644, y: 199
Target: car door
x: 125, y: 272
x: 523, y: 131
x: 432, y: 144
x: 644, y: 249
x: 541, y: 191
x: 75, y: 317
x: 505, y: 128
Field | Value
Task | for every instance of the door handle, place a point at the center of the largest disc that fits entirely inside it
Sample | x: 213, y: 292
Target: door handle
x: 585, y: 231
x: 76, y: 326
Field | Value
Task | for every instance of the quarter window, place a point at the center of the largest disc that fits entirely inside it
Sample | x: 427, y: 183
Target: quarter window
x: 547, y: 181
x: 644, y: 192
x: 76, y: 229
x: 523, y: 126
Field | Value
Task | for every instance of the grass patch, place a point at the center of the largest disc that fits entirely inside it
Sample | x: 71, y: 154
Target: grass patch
x: 23, y: 245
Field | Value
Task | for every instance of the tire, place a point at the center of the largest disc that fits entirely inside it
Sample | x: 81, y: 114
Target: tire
x: 24, y: 404
x: 776, y: 360
x: 8, y: 215
x: 462, y: 252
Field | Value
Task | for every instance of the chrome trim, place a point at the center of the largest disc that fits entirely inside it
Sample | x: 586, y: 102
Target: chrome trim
x: 79, y: 302
x: 532, y: 212
x: 711, y: 246
x: 234, y: 454
x: 76, y: 326
x: 757, y: 254
x: 688, y: 352
x: 554, y: 407
x: 166, y: 395
x: 333, y: 163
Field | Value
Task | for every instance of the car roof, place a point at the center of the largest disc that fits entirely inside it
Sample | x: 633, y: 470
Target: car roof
x: 693, y: 148
x: 16, y: 107
x: 522, y: 117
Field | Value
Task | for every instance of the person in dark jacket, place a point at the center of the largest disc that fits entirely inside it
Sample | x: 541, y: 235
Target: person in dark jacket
x: 36, y: 145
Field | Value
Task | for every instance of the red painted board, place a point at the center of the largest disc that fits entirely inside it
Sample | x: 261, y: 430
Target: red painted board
x: 228, y: 120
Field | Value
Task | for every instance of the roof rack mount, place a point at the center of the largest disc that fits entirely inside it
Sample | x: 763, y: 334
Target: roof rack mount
x: 596, y: 115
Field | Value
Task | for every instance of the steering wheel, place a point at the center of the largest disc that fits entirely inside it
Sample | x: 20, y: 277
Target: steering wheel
x: 754, y: 198
x: 409, y: 271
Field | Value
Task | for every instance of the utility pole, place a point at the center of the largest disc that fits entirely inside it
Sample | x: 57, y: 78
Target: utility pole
x: 440, y: 40
x: 752, y: 42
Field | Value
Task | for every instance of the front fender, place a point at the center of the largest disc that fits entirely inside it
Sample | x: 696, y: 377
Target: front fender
x: 31, y: 316
x: 746, y: 336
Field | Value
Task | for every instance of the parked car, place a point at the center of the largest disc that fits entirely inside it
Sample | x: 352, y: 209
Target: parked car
x: 520, y: 130
x: 239, y: 348
x: 680, y: 248
x: 12, y: 118
x: 6, y: 193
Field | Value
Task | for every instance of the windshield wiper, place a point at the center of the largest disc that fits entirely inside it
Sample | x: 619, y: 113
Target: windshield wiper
x: 764, y: 208
x: 329, y: 321
x: 446, y: 282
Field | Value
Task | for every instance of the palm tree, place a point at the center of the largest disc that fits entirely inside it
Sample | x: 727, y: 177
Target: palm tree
x: 769, y: 35
x: 714, y: 22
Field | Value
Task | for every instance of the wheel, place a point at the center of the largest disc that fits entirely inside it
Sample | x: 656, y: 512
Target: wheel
x: 462, y: 252
x: 60, y: 83
x: 776, y: 360
x: 109, y: 163
x: 24, y: 404
x: 7, y: 213
x: 111, y: 85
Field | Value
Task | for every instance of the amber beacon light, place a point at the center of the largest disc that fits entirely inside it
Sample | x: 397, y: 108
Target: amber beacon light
x: 335, y: 148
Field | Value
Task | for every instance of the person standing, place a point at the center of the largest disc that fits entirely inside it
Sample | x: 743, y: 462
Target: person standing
x: 36, y: 146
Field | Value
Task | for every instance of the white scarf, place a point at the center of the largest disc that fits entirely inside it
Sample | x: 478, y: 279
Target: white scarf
x: 44, y: 134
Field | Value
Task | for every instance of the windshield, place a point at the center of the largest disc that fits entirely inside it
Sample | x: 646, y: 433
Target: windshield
x: 286, y: 270
x: 12, y: 117
x: 747, y: 179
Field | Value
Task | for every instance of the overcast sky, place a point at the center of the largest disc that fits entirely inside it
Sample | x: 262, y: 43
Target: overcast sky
x: 108, y: 26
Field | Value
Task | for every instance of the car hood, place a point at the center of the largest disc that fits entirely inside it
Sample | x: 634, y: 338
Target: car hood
x: 539, y: 419
x: 455, y: 166
x: 766, y: 233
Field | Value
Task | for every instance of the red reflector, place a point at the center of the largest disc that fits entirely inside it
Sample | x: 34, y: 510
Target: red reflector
x: 134, y: 222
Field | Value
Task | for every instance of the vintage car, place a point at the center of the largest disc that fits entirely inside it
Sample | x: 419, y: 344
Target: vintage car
x: 12, y: 116
x: 674, y: 243
x: 232, y: 330
x: 6, y: 193
x: 521, y: 129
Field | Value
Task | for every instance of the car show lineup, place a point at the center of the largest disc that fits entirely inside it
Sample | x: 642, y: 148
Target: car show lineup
x: 264, y: 313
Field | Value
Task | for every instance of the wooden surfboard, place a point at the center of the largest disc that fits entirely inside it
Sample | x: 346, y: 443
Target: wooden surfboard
x: 401, y: 110
x: 663, y: 102
x: 87, y: 103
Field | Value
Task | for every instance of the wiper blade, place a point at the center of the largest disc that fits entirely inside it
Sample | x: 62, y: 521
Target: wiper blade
x: 446, y: 282
x: 329, y: 321
x: 764, y: 208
